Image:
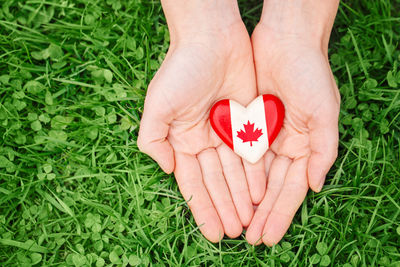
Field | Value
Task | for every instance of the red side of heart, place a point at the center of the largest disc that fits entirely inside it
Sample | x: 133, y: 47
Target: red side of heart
x: 274, y: 114
x: 220, y: 118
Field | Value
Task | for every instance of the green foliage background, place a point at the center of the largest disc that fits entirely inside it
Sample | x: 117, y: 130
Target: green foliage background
x: 74, y: 190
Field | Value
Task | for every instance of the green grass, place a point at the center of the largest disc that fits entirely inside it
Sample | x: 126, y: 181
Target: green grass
x: 74, y: 190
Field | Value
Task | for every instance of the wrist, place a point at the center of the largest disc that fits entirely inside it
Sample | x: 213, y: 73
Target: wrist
x: 308, y: 21
x: 197, y: 19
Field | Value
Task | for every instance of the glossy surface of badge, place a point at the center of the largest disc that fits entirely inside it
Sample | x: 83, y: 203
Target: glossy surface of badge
x: 248, y: 131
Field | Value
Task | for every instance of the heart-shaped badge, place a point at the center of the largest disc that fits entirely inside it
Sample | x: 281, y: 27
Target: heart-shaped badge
x: 249, y: 131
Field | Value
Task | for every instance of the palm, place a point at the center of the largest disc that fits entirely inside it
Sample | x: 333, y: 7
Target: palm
x: 201, y: 76
x: 306, y: 146
x: 303, y: 81
x: 175, y: 128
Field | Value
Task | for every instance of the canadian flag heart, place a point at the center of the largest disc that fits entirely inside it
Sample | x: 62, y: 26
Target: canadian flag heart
x: 248, y: 131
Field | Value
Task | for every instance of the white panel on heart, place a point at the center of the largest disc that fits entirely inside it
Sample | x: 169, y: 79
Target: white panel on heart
x: 254, y: 118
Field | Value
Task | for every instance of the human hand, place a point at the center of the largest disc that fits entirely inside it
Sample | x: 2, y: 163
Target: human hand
x: 210, y: 58
x: 290, y: 48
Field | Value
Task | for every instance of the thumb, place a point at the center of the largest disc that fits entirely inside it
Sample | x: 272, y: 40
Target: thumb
x: 154, y: 128
x: 324, y: 138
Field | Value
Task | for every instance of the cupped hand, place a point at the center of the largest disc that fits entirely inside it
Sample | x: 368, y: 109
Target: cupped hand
x: 175, y: 130
x: 298, y: 72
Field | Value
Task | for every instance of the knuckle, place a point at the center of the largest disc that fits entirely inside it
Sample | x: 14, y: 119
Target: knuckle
x: 141, y: 143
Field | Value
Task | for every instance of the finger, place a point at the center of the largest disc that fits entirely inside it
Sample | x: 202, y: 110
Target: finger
x: 276, y: 178
x: 290, y: 198
x: 153, y: 131
x: 189, y: 178
x: 268, y: 158
x: 218, y: 190
x: 256, y: 179
x: 324, y: 138
x: 236, y: 179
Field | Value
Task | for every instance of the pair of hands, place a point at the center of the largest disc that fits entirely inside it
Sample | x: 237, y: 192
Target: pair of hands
x: 212, y: 60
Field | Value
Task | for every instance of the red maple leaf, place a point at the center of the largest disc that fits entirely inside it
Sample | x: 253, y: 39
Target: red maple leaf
x: 249, y: 135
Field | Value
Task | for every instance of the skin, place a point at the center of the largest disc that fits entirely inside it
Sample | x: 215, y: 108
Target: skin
x: 290, y: 49
x: 175, y: 128
x: 210, y: 58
